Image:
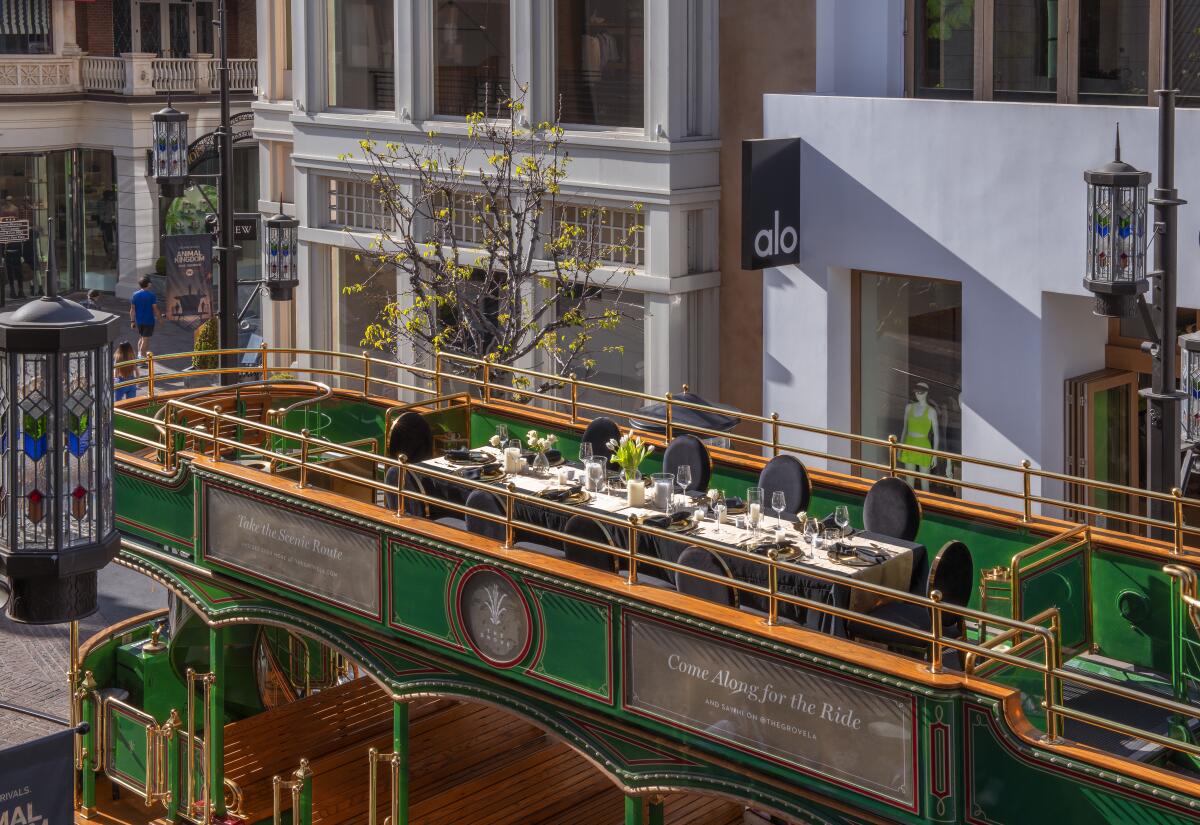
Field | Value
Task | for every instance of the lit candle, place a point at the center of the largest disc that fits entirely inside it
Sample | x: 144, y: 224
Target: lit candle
x: 635, y: 492
x: 662, y: 493
x: 512, y: 459
x: 755, y: 513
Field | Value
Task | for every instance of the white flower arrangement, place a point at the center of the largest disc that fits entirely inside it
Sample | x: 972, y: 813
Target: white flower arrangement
x: 629, y: 452
x: 540, y: 443
x: 495, y: 441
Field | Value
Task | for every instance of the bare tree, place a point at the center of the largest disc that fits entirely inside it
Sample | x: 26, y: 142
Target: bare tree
x: 498, y: 264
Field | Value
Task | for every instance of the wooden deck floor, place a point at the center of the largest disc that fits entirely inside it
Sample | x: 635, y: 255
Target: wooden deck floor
x: 470, y: 763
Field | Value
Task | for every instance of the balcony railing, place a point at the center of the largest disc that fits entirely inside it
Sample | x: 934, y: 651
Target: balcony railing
x: 129, y: 74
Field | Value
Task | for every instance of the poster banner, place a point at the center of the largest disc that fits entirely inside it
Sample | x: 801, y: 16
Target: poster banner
x: 36, y: 781
x: 850, y: 731
x: 189, y: 298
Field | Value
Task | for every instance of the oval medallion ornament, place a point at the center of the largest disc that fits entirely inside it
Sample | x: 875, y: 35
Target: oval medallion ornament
x: 494, y: 616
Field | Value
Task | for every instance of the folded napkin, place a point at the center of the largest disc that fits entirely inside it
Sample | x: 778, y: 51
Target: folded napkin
x: 466, y: 455
x: 475, y: 473
x: 871, y: 554
x: 734, y: 503
x: 560, y: 493
x: 553, y: 456
x: 664, y: 521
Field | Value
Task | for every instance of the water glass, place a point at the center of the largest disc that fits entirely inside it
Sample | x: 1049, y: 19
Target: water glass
x: 595, y: 475
x: 585, y: 452
x: 841, y: 517
x: 662, y: 486
x: 832, y: 537
x: 502, y: 433
x: 811, y: 528
x: 754, y: 505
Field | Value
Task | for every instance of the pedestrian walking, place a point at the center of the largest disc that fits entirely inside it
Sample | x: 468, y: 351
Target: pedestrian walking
x: 124, y: 353
x: 144, y: 313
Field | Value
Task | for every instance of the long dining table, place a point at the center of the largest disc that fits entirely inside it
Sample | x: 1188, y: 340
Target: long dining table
x: 904, y: 562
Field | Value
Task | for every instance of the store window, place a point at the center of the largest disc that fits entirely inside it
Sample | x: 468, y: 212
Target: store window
x: 619, y: 352
x: 1187, y: 51
x: 1025, y: 50
x: 473, y: 66
x: 945, y: 48
x: 909, y: 369
x: 100, y: 225
x: 361, y: 73
x: 26, y: 27
x: 600, y: 61
x: 362, y: 290
x: 1114, y: 46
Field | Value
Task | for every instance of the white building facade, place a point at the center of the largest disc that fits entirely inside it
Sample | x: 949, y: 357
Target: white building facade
x: 637, y: 83
x: 943, y: 230
x: 78, y: 86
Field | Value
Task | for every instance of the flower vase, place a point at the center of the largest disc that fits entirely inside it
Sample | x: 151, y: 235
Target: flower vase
x: 541, y: 464
x: 635, y: 489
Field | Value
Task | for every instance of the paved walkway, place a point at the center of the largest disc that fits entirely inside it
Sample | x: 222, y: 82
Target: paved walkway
x: 34, y: 659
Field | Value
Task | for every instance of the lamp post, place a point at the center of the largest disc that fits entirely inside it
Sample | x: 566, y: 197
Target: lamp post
x: 1116, y: 255
x: 56, y: 456
x: 171, y: 173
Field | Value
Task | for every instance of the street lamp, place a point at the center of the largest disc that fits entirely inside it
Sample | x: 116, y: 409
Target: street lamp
x: 170, y: 149
x: 279, y: 255
x: 56, y: 456
x: 1116, y: 237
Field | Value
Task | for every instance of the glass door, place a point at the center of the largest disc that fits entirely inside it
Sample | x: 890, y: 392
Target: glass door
x: 1102, y: 440
x: 150, y: 28
x: 179, y: 17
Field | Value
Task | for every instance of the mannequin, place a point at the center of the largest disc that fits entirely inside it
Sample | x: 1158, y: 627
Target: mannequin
x: 920, y: 430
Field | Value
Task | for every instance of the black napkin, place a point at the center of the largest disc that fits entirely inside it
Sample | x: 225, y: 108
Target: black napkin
x: 871, y: 554
x: 466, y: 455
x: 476, y: 473
x: 553, y: 456
x: 734, y: 503
x: 560, y: 493
x: 665, y: 521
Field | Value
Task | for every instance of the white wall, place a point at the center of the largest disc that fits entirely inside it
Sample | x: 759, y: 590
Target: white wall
x: 860, y: 47
x: 987, y: 194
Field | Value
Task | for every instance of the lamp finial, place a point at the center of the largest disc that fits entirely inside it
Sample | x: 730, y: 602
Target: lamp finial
x: 1118, y: 149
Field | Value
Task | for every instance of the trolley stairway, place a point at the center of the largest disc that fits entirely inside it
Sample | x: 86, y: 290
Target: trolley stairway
x: 469, y: 763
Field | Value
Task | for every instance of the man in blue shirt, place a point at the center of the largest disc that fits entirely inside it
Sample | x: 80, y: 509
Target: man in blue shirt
x: 144, y: 312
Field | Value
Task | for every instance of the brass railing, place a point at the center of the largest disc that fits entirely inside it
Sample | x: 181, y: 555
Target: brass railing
x: 427, y: 384
x: 211, y: 441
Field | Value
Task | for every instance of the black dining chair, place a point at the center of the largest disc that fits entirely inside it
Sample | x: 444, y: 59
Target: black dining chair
x: 486, y: 527
x: 704, y: 560
x: 689, y: 450
x: 952, y: 574
x: 585, y: 528
x: 891, y: 509
x: 411, y: 436
x: 786, y: 473
x: 412, y: 484
x: 598, y: 433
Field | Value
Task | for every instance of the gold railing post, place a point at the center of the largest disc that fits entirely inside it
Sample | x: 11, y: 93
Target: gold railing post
x: 510, y: 505
x: 774, y: 434
x: 400, y: 478
x: 935, y: 659
x: 150, y: 374
x: 266, y: 371
x: 1027, y: 486
x: 366, y: 359
x: 669, y: 416
x: 437, y: 374
x: 487, y: 383
x: 892, y: 455
x: 631, y: 574
x: 169, y: 429
x: 372, y: 791
x: 216, y: 446
x: 1177, y: 496
x: 773, y: 587
x: 304, y: 458
x: 1052, y: 687
x: 574, y: 398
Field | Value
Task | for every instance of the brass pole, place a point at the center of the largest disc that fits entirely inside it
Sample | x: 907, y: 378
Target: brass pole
x: 487, y: 383
x: 892, y: 455
x: 631, y: 573
x: 263, y: 361
x: 150, y: 374
x: 935, y: 658
x: 1028, y: 509
x: 668, y: 431
x: 216, y: 447
x: 304, y: 458
x: 366, y: 359
x: 773, y: 587
x: 1177, y: 496
x: 574, y: 398
x: 774, y: 434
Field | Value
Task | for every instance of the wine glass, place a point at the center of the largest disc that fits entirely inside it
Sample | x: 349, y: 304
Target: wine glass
x: 683, y: 477
x: 502, y: 433
x: 585, y: 452
x: 841, y: 517
x: 778, y: 503
x: 754, y: 502
x: 810, y: 534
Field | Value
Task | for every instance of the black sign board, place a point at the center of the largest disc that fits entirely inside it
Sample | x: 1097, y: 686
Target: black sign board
x: 770, y: 203
x: 189, y: 299
x: 852, y: 732
x: 36, y: 781
x: 311, y: 555
x: 245, y: 226
x: 13, y: 230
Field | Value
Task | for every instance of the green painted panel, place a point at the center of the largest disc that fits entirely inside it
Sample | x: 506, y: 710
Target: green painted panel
x: 419, y: 583
x: 158, y: 513
x: 1144, y: 637
x: 126, y: 744
x: 1062, y: 584
x: 574, y: 631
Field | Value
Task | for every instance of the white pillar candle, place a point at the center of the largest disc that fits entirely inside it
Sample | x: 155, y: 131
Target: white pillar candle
x: 635, y: 493
x: 755, y: 512
x: 512, y: 459
x: 662, y: 494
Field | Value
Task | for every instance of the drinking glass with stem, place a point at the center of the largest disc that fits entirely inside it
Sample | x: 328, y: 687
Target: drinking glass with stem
x: 502, y: 433
x: 841, y: 517
x: 778, y: 503
x: 683, y: 477
x: 810, y: 534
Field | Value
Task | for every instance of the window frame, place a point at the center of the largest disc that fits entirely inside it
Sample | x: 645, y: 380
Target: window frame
x: 1067, y: 88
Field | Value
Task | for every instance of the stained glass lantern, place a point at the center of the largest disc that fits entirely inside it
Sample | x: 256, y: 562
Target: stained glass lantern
x: 170, y: 149
x: 56, y: 457
x: 1116, y: 236
x: 1189, y: 379
x: 280, y: 256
